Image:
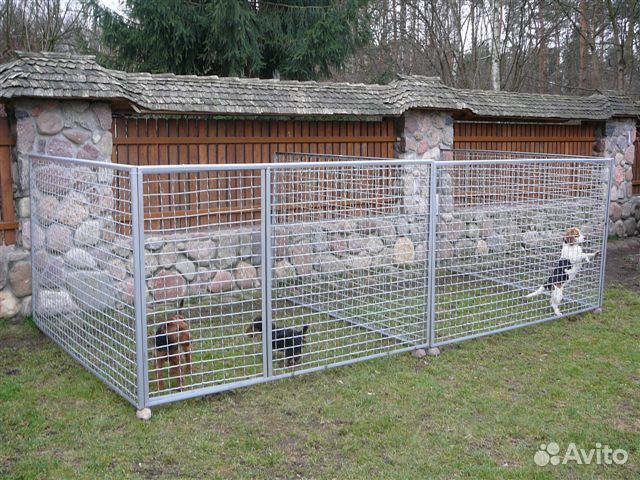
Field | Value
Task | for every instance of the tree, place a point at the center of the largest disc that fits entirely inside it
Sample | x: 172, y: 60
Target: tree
x: 49, y: 25
x: 496, y: 32
x: 623, y: 15
x: 295, y: 39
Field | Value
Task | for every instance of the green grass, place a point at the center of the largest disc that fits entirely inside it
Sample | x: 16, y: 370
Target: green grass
x: 480, y: 410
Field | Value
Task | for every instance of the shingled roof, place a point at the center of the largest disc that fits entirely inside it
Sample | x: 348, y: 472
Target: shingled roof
x: 55, y: 75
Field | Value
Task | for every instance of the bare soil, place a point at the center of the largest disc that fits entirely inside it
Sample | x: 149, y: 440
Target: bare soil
x: 623, y: 263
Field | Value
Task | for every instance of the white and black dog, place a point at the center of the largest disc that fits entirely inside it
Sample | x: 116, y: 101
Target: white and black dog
x: 571, y: 259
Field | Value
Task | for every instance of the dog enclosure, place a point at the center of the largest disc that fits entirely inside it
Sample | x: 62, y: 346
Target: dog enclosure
x: 375, y: 256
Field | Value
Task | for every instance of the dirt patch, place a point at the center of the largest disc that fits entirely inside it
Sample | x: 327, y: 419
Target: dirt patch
x: 622, y: 263
x: 15, y: 337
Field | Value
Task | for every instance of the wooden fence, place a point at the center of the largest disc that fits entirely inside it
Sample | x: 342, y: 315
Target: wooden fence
x: 522, y: 137
x: 8, y: 224
x: 180, y: 200
x: 514, y: 137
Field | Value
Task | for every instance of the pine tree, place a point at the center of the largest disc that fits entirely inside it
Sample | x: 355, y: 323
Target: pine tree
x: 293, y: 39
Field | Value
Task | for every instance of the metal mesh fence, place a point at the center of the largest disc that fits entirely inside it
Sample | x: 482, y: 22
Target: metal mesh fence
x: 172, y: 282
x: 340, y: 267
x: 202, y: 267
x: 500, y: 237
x: 81, y: 254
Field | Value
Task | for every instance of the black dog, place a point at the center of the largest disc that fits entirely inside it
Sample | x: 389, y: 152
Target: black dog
x: 288, y: 340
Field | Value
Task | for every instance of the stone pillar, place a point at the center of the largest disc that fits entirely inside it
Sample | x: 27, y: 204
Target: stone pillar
x: 617, y: 142
x: 425, y: 134
x: 76, y: 129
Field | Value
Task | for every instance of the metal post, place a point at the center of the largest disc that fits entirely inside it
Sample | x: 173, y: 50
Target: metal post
x: 605, y: 234
x: 431, y: 263
x: 35, y: 288
x: 140, y: 305
x: 265, y: 206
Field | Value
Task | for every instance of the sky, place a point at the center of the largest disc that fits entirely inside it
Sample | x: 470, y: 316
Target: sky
x: 112, y: 4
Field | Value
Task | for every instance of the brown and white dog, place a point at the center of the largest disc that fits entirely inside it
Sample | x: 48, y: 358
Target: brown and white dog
x: 571, y: 259
x: 173, y: 345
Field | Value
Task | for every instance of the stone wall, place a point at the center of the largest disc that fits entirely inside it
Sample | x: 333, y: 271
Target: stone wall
x: 617, y: 142
x: 227, y: 263
x: 77, y: 129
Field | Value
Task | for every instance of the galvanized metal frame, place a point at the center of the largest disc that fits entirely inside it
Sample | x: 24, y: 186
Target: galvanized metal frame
x: 267, y: 255
x: 301, y: 162
x: 432, y: 251
x: 605, y: 231
x: 140, y: 287
x: 70, y: 323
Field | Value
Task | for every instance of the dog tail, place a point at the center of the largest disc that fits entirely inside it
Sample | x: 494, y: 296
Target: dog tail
x: 536, y: 293
x: 305, y: 329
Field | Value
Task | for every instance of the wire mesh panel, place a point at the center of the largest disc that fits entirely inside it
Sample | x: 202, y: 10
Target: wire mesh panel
x: 81, y: 260
x: 170, y: 282
x: 349, y: 260
x: 508, y: 229
x: 202, y: 258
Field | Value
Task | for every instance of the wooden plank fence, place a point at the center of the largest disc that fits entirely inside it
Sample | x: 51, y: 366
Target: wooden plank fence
x: 514, y: 137
x: 8, y: 223
x: 523, y: 137
x: 181, y: 200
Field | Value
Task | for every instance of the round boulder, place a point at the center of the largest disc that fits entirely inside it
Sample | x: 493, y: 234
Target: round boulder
x: 403, y: 251
x: 20, y: 278
x: 246, y: 275
x: 222, y: 282
x: 47, y: 209
x: 118, y: 269
x: 481, y: 248
x: 49, y: 123
x: 54, y: 302
x: 168, y: 285
x: 79, y: 259
x: 186, y: 268
x: 59, y: 238
x: 72, y: 211
x: 358, y: 262
x: 87, y: 234
x: 9, y: 305
x: 283, y: 270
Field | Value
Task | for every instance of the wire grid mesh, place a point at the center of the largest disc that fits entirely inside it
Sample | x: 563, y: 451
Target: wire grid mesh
x: 500, y: 236
x: 461, y: 154
x: 202, y: 267
x: 81, y: 252
x: 233, y: 275
x: 340, y: 268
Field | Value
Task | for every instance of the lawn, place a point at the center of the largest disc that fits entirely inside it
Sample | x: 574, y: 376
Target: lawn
x: 480, y: 410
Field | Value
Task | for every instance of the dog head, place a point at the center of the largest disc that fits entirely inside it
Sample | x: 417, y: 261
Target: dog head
x: 170, y: 325
x: 255, y: 327
x: 573, y: 236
